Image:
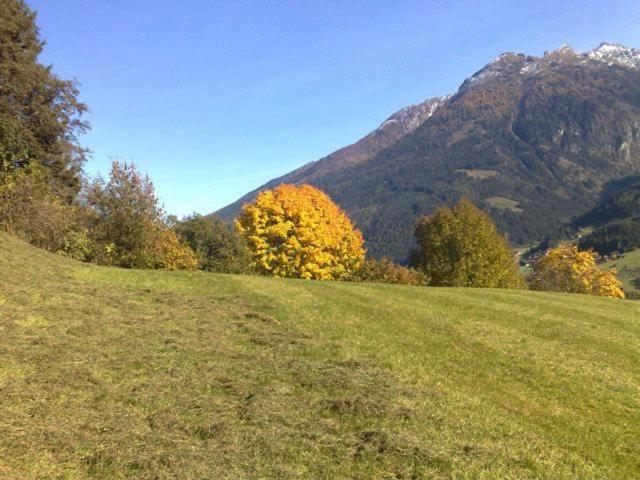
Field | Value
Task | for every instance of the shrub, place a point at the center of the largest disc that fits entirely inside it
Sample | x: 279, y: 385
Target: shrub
x: 461, y: 247
x: 78, y: 245
x: 297, y: 231
x: 386, y: 271
x: 219, y: 246
x: 170, y: 253
x: 30, y: 210
x: 567, y: 269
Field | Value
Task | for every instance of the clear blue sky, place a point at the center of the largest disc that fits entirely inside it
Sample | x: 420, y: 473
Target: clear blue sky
x: 214, y: 98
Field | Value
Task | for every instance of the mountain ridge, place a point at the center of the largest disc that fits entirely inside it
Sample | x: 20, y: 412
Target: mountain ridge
x: 394, y: 127
x: 532, y: 140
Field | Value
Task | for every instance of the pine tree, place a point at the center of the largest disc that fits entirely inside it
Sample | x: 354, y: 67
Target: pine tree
x: 40, y: 114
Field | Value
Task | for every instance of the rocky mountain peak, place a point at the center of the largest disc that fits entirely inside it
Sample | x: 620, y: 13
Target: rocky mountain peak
x: 564, y: 51
x: 411, y: 116
x: 510, y: 63
x: 616, y: 54
x: 501, y: 66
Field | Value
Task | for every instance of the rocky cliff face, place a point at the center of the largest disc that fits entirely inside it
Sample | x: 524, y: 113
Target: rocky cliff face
x: 532, y: 140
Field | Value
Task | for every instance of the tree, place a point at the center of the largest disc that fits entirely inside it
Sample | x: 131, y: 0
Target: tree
x: 567, y: 269
x: 219, y: 246
x: 297, y: 231
x: 127, y: 225
x: 461, y: 247
x: 619, y: 236
x: 40, y: 115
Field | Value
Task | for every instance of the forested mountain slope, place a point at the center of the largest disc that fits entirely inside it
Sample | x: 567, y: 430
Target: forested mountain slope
x: 614, y: 223
x: 533, y: 140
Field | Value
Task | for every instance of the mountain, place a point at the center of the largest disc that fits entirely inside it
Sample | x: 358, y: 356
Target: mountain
x: 390, y: 131
x: 535, y: 141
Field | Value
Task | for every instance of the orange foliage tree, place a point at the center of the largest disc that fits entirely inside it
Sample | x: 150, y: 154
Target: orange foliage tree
x: 567, y: 269
x: 297, y: 231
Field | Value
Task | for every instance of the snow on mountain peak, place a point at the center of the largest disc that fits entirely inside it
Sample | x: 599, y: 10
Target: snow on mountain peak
x: 525, y: 66
x: 609, y: 53
x: 565, y: 49
x: 502, y: 63
x: 413, y: 115
x: 615, y: 54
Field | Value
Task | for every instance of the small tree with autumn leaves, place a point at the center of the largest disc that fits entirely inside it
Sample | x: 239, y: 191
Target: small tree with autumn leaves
x: 567, y: 269
x: 126, y: 224
x: 461, y: 247
x: 298, y: 231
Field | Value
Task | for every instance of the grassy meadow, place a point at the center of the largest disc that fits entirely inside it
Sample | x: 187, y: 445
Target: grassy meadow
x: 122, y: 374
x: 628, y: 270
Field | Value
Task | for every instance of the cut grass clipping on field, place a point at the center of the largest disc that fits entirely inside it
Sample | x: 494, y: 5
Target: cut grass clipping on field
x: 121, y: 374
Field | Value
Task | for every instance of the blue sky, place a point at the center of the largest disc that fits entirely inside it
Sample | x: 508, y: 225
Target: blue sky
x: 214, y: 98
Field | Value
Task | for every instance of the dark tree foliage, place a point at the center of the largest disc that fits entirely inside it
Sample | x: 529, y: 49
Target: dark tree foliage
x: 40, y: 114
x: 552, y: 240
x: 219, y: 246
x: 618, y: 205
x: 616, y: 219
x: 461, y: 247
x: 621, y: 236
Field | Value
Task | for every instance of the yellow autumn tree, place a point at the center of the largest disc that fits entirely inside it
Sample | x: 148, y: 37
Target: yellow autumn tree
x: 298, y: 231
x: 567, y: 269
x: 169, y: 253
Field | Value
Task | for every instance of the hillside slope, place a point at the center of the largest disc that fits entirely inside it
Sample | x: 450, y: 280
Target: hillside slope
x: 532, y: 140
x: 108, y: 373
x: 614, y: 223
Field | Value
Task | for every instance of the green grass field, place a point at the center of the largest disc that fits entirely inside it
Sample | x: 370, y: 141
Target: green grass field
x: 628, y: 270
x: 108, y: 373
